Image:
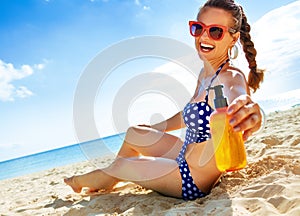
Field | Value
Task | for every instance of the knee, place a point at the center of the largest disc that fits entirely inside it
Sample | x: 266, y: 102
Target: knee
x: 137, y: 130
x: 131, y: 130
x: 131, y: 133
x: 136, y: 134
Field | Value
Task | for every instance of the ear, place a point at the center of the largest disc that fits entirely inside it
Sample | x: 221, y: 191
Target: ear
x: 235, y: 37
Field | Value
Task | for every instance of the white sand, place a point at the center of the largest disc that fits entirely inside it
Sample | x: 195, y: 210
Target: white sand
x: 269, y: 185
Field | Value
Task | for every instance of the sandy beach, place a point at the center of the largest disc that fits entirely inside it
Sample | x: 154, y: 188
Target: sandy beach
x: 269, y: 185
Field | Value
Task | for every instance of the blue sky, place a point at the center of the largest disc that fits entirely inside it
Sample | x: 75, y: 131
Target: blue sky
x: 46, y: 44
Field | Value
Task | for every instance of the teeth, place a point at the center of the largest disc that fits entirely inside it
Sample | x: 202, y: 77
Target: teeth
x: 207, y: 46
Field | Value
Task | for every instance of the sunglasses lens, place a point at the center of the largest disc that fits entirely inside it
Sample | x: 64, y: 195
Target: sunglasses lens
x: 196, y: 29
x: 216, y: 33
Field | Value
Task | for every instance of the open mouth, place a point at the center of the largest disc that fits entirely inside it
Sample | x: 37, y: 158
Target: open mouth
x: 206, y: 47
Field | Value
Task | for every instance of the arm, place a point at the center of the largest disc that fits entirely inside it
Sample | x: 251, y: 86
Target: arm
x: 173, y: 123
x: 245, y: 115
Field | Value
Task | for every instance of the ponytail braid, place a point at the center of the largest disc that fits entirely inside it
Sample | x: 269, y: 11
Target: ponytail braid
x: 256, y: 75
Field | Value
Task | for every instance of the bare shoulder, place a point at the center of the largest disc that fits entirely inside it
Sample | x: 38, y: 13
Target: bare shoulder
x: 235, y: 83
x: 233, y: 74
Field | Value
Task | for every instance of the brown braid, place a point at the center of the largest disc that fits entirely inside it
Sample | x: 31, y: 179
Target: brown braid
x: 240, y: 24
x: 256, y: 75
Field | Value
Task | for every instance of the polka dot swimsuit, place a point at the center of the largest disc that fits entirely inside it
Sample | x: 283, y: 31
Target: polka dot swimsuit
x: 196, y: 117
x: 190, y: 191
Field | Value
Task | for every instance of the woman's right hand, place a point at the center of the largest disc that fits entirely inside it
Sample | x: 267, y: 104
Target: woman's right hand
x: 245, y: 115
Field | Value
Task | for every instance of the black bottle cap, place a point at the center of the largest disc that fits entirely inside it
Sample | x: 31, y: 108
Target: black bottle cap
x: 220, y: 101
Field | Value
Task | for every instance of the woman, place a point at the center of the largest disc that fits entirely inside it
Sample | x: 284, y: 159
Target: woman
x: 187, y: 169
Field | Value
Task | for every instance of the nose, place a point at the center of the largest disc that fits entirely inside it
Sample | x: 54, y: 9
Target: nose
x: 205, y: 33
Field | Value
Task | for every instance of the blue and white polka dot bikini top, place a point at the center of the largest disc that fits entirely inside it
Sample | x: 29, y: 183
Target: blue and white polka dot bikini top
x: 196, y: 117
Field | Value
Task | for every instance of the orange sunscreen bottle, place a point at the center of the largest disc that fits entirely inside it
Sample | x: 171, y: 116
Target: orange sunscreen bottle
x: 229, y: 146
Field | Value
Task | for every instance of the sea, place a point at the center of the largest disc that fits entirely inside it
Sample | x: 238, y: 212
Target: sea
x: 86, y: 151
x: 108, y: 146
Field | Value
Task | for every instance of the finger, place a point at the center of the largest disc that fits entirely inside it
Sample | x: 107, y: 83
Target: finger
x: 238, y: 103
x: 243, y: 113
x: 251, y: 124
x: 248, y: 133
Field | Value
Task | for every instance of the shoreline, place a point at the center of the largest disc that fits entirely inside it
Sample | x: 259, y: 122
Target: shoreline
x: 268, y: 185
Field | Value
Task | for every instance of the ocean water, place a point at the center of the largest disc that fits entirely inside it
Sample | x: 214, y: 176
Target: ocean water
x: 60, y: 157
x: 109, y: 145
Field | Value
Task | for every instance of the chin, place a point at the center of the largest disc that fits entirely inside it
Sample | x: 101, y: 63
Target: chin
x: 202, y: 56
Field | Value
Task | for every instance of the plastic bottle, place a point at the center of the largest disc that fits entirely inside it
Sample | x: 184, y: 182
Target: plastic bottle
x: 229, y: 146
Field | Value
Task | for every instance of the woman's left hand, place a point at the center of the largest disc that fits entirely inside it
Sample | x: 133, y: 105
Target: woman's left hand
x: 245, y: 115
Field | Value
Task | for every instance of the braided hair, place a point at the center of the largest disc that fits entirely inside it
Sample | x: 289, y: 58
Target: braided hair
x: 240, y: 24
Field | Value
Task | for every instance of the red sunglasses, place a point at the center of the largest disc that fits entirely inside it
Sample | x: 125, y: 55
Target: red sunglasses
x: 215, y: 32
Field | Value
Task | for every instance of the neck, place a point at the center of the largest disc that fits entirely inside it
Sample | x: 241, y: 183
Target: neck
x: 210, y: 67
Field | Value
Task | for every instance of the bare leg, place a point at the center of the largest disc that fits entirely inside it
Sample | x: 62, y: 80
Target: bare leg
x: 149, y: 142
x: 138, y: 141
x: 159, y: 174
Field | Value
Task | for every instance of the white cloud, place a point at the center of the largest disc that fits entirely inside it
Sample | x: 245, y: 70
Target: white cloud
x: 146, y: 8
x: 9, y: 74
x: 23, y: 92
x: 137, y: 2
x: 276, y: 38
x: 41, y: 66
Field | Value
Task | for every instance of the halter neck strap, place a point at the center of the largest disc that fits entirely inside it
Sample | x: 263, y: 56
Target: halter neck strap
x: 214, y: 77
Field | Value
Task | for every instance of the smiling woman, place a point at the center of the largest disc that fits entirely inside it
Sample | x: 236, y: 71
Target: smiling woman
x: 70, y: 33
x: 155, y: 159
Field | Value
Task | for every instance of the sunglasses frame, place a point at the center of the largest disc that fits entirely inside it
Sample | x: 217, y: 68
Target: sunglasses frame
x: 207, y: 28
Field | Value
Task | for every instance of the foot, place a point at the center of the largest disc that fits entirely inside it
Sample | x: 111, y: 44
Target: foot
x: 72, y: 183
